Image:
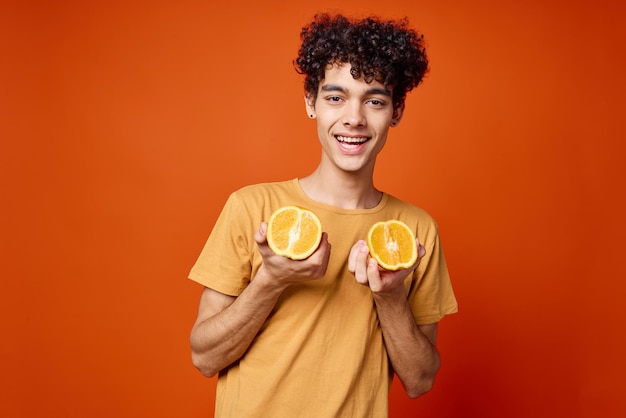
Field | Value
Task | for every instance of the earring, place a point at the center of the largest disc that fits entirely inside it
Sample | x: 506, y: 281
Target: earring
x: 311, y: 115
x: 394, y: 123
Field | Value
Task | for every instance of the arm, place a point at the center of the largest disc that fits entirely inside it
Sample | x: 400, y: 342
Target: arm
x: 411, y: 348
x: 226, y: 325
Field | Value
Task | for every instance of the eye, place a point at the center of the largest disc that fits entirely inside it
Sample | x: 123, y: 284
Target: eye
x: 334, y: 99
x: 377, y: 102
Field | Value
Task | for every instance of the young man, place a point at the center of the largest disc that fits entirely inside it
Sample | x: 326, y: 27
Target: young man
x: 323, y: 337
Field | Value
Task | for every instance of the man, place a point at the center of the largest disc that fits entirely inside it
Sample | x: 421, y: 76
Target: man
x: 323, y: 337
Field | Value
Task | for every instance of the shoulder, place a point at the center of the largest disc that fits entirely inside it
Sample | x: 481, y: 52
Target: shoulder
x: 258, y: 201
x: 417, y: 218
x: 264, y: 189
x: 405, y: 209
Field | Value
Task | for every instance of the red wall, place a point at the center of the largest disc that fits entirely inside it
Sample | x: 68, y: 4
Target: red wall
x: 125, y: 125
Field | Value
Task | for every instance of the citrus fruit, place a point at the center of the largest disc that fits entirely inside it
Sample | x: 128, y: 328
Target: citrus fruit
x: 392, y: 244
x: 294, y: 232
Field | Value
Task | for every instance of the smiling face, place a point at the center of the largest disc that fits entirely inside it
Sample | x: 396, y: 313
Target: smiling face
x: 353, y: 118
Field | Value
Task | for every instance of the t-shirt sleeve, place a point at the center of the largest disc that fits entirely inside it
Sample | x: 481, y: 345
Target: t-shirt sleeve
x: 431, y: 296
x: 224, y: 263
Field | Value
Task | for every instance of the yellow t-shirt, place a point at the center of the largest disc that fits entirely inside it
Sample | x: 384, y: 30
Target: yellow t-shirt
x: 320, y: 353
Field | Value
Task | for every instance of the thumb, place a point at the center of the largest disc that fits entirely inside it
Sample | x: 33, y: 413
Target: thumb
x: 260, y: 236
x: 421, y: 251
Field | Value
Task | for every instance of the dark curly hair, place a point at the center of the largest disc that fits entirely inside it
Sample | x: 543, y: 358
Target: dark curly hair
x: 386, y: 51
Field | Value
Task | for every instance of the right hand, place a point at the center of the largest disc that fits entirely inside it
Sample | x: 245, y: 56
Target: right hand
x: 285, y: 271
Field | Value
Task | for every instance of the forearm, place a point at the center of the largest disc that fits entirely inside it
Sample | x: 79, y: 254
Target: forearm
x: 412, y: 353
x: 219, y: 340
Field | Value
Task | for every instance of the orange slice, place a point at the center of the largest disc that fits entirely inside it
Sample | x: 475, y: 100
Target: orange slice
x: 392, y: 244
x: 294, y: 232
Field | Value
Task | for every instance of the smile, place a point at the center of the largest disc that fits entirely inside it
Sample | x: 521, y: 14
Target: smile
x: 351, y: 142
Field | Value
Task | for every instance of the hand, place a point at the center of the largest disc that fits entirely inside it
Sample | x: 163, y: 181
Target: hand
x: 285, y: 271
x: 367, y: 271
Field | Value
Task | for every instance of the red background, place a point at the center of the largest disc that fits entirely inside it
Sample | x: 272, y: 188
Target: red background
x: 125, y: 125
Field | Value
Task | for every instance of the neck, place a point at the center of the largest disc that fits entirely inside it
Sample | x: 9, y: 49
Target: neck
x: 342, y: 190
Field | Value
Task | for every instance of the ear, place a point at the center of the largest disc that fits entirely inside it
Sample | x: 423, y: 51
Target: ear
x: 397, y: 115
x: 309, y: 103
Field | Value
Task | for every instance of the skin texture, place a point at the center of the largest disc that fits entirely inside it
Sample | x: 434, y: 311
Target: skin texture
x: 346, y: 110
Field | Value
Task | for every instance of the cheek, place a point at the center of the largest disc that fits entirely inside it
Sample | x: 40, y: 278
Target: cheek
x: 382, y: 140
x: 324, y: 121
x: 322, y: 131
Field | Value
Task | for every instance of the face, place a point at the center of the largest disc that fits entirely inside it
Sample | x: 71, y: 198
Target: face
x: 353, y: 118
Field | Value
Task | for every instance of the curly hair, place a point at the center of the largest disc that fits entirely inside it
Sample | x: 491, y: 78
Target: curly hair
x: 386, y: 51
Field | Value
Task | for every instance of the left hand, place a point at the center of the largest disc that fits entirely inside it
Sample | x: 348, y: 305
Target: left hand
x: 368, y: 273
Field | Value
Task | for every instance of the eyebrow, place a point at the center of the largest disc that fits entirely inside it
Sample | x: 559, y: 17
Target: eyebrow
x: 373, y: 90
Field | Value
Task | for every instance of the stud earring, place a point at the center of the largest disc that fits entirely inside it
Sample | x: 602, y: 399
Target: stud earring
x: 311, y: 115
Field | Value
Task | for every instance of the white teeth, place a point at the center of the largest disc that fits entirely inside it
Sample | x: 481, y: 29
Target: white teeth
x: 348, y: 140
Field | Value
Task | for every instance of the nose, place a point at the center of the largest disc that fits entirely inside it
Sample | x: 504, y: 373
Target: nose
x: 354, y: 115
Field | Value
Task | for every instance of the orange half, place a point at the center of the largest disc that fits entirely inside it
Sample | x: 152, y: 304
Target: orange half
x: 392, y: 244
x: 294, y: 232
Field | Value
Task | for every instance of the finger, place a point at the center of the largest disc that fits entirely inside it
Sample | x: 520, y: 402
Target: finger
x: 260, y: 236
x: 360, y: 263
x: 353, y: 254
x: 324, y: 241
x: 373, y: 275
x: 322, y: 253
x: 421, y: 251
